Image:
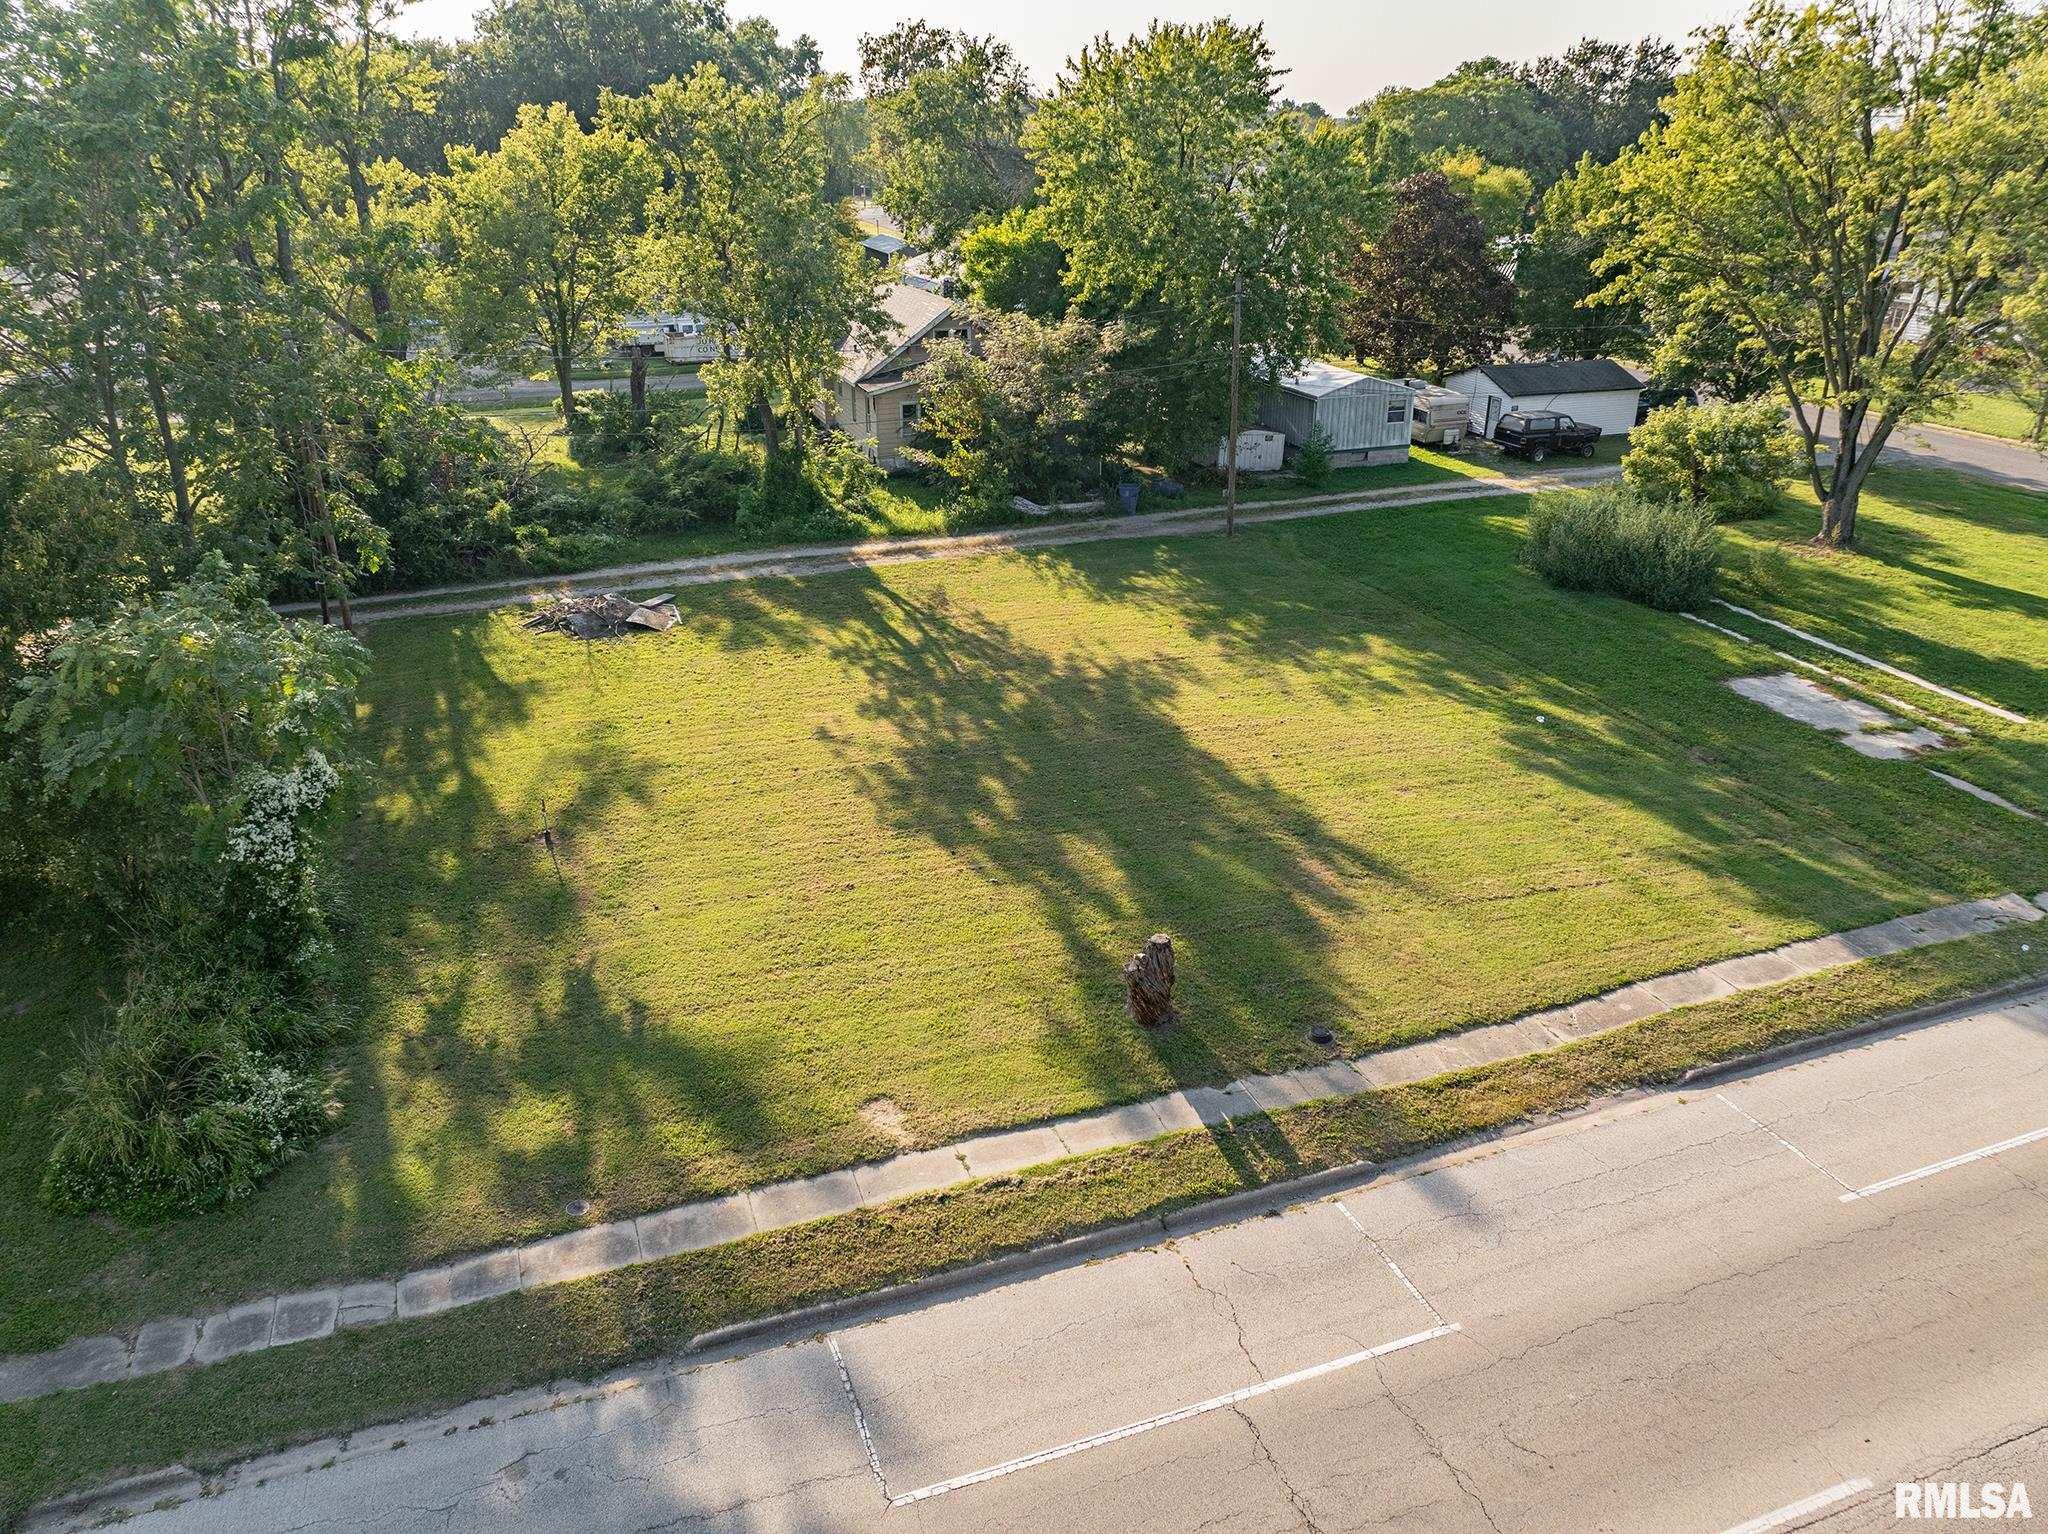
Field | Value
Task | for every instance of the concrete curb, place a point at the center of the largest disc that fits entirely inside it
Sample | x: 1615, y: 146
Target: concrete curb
x: 173, y: 1481
x: 1269, y: 1198
x: 1895, y: 1022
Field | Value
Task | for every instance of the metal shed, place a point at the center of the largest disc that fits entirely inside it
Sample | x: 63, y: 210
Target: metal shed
x: 1366, y: 419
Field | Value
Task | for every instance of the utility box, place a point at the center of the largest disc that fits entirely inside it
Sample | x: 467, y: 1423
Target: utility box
x: 1258, y: 452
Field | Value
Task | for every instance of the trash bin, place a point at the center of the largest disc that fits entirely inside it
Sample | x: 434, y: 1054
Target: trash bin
x: 1128, y: 496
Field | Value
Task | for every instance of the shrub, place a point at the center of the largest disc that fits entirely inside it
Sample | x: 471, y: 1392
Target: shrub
x: 1725, y: 458
x: 1613, y: 540
x: 182, y: 755
x: 204, y: 1081
x: 605, y: 426
x: 682, y: 482
x: 1312, y: 458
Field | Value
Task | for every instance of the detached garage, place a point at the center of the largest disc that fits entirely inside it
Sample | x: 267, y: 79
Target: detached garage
x: 1365, y: 419
x: 1595, y: 390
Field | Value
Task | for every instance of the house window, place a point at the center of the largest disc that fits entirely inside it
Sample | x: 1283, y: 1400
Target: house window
x: 1397, y: 412
x: 912, y: 414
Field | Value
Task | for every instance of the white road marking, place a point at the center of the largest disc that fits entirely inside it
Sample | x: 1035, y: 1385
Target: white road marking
x: 1406, y: 1283
x: 1166, y: 1419
x: 860, y: 1418
x: 1803, y: 1506
x: 1942, y: 1166
x: 1795, y: 1150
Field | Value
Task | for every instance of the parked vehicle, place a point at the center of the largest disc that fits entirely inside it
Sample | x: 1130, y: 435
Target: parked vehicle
x: 1536, y: 434
x: 1656, y: 396
x: 1441, y: 415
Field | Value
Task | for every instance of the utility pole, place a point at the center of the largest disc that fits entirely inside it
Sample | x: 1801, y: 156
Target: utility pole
x: 1230, y: 452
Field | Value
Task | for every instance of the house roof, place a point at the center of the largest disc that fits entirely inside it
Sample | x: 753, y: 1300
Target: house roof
x: 908, y: 313
x: 1316, y: 379
x: 1585, y: 375
x: 886, y: 244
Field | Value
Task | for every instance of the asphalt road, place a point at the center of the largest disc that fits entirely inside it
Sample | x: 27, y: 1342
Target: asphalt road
x: 1936, y: 447
x: 530, y: 391
x: 1689, y: 1312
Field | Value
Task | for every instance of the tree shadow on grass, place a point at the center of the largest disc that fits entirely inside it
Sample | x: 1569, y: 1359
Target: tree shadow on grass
x: 1432, y: 605
x: 1068, y: 777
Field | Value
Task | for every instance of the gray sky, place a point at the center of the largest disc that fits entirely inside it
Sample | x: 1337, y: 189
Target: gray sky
x: 1339, y: 51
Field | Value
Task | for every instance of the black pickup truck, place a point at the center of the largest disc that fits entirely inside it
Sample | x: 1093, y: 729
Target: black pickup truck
x: 1536, y: 434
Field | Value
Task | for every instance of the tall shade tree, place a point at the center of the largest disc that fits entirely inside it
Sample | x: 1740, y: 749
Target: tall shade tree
x: 1556, y: 276
x: 946, y: 133
x: 746, y: 232
x: 1847, y: 188
x: 539, y: 240
x: 1427, y: 294
x: 1175, y: 186
x: 573, y: 51
x: 198, y: 305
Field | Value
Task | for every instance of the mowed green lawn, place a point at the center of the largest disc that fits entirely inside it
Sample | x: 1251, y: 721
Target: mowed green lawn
x: 1949, y: 581
x: 1996, y: 415
x: 891, y: 835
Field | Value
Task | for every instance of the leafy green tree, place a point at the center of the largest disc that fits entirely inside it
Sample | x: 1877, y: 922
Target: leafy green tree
x: 527, y: 52
x: 1428, y: 294
x: 1176, y: 189
x: 2020, y: 355
x: 1032, y: 409
x: 1848, y: 191
x: 746, y: 233
x: 539, y: 239
x: 1555, y: 276
x: 1726, y: 458
x: 191, y: 302
x: 1013, y: 263
x: 947, y: 132
x: 1603, y: 96
x: 1484, y: 106
x: 1542, y: 118
x: 1499, y: 194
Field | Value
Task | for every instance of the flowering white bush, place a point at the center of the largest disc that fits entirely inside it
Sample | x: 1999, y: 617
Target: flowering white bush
x: 268, y: 839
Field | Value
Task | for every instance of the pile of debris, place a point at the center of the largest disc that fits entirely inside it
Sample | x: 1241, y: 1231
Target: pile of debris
x: 609, y: 616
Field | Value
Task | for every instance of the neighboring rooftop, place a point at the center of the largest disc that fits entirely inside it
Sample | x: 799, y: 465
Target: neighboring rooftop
x: 886, y: 245
x: 1316, y: 378
x: 1585, y: 375
x: 908, y: 313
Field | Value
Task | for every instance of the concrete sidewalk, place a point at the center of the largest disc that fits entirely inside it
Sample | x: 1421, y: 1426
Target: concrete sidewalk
x: 282, y: 1319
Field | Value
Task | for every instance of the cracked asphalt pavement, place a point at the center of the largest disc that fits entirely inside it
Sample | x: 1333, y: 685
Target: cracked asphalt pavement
x: 1666, y: 1315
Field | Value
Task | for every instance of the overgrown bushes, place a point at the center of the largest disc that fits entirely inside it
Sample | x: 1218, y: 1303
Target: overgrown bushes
x: 1726, y: 459
x: 180, y: 758
x: 1611, y: 539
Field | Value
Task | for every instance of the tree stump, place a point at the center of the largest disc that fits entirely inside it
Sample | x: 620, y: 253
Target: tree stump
x: 1148, y: 983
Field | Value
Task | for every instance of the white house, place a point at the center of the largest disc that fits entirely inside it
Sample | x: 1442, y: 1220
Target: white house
x: 1364, y: 419
x: 1594, y: 390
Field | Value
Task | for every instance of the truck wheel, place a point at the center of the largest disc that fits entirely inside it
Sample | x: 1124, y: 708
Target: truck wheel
x: 1586, y: 451
x: 1538, y: 454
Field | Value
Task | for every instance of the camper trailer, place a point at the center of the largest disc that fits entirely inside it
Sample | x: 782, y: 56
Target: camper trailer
x: 1441, y: 415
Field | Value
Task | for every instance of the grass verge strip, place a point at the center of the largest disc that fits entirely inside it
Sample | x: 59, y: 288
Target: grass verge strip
x: 263, y: 1401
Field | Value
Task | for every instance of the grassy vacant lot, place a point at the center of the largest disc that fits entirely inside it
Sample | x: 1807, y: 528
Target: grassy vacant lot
x: 890, y: 835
